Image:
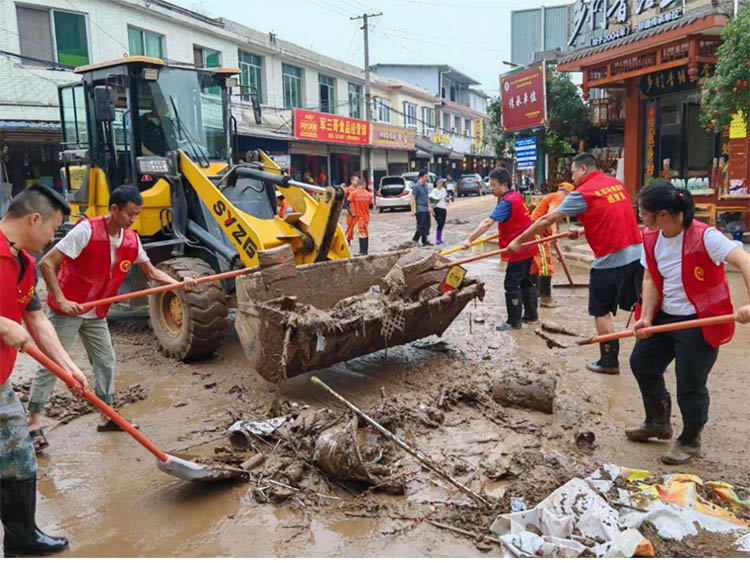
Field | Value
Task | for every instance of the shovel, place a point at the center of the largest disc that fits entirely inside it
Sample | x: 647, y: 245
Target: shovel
x: 561, y: 258
x: 175, y: 466
x: 478, y: 241
x: 669, y: 327
x: 163, y: 288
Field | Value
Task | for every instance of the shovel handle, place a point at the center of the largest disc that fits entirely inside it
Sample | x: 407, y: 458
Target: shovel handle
x: 47, y: 362
x: 502, y: 250
x: 460, y: 247
x: 669, y: 327
x: 163, y: 288
x: 563, y: 263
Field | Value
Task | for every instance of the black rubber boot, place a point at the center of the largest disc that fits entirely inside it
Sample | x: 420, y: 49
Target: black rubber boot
x: 686, y: 447
x: 530, y: 298
x: 545, y: 292
x: 609, y: 362
x: 18, y: 512
x: 363, y: 243
x: 514, y: 304
x: 657, y: 423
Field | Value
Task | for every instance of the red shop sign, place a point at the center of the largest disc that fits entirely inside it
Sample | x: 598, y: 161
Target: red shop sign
x: 523, y: 94
x: 315, y: 126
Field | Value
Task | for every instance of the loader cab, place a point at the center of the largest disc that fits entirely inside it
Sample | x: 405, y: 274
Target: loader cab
x: 141, y: 107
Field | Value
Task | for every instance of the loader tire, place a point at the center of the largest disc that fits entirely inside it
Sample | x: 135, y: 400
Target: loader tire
x: 189, y: 325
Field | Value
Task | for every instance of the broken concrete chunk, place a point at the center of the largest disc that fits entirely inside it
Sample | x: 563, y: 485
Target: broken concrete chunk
x: 279, y: 255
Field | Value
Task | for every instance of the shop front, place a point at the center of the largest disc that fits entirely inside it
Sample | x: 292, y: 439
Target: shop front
x: 646, y: 62
x: 28, y: 155
x: 391, y: 148
x: 328, y: 148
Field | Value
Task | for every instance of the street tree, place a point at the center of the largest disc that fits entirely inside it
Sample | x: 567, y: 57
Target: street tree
x: 728, y: 90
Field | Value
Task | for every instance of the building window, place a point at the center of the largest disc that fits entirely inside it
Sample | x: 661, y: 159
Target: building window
x: 355, y: 101
x: 446, y: 122
x: 428, y: 119
x: 467, y: 127
x: 35, y: 29
x: 383, y: 110
x: 206, y: 58
x: 410, y: 114
x: 457, y: 125
x: 327, y: 89
x: 291, y: 79
x: 251, y: 67
x: 142, y: 42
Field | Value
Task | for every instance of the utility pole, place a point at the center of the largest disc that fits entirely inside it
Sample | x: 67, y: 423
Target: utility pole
x: 368, y: 100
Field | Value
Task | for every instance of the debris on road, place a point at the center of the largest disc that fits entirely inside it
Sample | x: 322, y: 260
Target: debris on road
x: 535, y: 391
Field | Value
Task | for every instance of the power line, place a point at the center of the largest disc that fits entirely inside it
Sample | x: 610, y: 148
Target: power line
x: 100, y: 28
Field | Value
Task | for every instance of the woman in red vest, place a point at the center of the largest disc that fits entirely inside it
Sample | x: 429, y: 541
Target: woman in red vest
x: 512, y: 218
x: 684, y: 279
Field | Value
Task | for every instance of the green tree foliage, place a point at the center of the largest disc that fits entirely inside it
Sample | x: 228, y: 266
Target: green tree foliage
x: 567, y: 118
x: 728, y: 90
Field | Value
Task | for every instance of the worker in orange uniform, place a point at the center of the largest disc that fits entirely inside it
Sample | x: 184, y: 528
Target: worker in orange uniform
x: 349, y: 190
x: 360, y: 201
x: 282, y: 205
x: 542, y: 264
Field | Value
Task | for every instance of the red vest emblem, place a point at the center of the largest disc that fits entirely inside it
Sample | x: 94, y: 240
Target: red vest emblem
x: 517, y: 223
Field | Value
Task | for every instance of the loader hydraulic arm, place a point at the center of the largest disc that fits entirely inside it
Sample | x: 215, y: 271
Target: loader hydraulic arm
x: 232, y: 221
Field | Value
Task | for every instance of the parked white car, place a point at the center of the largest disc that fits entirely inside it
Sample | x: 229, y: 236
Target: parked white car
x: 394, y: 192
x: 412, y: 177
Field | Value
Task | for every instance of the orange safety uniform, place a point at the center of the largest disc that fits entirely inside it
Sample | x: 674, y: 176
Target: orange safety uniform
x: 542, y: 263
x: 360, y: 201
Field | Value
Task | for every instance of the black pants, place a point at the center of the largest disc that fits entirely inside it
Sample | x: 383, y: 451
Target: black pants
x: 518, y: 276
x: 423, y: 226
x: 694, y: 358
x: 440, y: 215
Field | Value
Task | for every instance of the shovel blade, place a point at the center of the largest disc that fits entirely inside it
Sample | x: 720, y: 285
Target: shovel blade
x: 196, y: 472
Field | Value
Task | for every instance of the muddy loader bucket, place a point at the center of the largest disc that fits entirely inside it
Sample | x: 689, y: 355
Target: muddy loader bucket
x: 292, y: 320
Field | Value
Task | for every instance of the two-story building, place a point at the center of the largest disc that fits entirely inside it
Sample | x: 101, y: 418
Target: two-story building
x: 42, y: 41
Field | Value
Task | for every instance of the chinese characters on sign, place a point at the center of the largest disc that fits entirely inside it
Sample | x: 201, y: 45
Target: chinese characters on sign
x: 525, y: 148
x: 523, y: 103
x: 329, y: 128
x: 391, y: 136
x: 650, y: 139
x: 672, y: 80
x: 590, y: 15
x: 478, y: 132
x: 440, y: 139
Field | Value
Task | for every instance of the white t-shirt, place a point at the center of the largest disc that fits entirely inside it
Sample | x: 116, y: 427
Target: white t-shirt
x: 440, y: 194
x: 76, y: 240
x: 668, y: 256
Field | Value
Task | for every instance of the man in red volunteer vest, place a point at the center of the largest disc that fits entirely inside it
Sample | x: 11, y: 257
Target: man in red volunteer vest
x: 93, y: 259
x: 603, y: 207
x: 29, y: 225
x: 684, y: 280
x: 512, y: 218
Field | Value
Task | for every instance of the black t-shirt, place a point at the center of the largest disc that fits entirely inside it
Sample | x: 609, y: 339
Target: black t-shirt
x: 34, y: 304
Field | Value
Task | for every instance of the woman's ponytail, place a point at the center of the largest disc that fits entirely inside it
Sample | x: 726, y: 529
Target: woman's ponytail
x: 688, y: 206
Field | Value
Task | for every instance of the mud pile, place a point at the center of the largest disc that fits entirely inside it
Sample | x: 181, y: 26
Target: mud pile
x: 64, y: 407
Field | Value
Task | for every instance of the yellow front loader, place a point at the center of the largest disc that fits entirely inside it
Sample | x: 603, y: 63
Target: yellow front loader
x: 166, y: 129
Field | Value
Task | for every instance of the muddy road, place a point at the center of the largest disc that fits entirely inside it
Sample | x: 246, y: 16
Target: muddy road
x: 104, y: 492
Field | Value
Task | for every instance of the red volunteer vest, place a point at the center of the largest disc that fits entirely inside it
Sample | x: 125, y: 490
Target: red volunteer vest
x: 609, y: 221
x: 92, y: 275
x: 14, y: 298
x: 518, y: 222
x: 705, y: 283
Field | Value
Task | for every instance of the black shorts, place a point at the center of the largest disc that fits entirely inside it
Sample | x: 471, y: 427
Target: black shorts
x: 611, y: 288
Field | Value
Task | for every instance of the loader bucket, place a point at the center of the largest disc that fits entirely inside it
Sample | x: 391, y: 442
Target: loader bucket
x: 291, y: 320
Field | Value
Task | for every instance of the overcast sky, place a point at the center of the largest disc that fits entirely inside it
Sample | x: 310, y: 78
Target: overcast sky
x: 471, y: 35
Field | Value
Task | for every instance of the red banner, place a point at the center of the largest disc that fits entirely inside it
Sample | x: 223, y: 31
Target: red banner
x: 522, y: 92
x: 327, y: 128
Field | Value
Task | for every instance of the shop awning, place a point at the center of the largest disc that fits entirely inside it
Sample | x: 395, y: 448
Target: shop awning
x: 431, y: 148
x: 30, y: 131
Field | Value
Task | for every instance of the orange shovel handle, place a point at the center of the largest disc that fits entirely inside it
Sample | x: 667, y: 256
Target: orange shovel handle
x: 47, y: 362
x: 502, y: 250
x: 163, y: 288
x: 669, y: 327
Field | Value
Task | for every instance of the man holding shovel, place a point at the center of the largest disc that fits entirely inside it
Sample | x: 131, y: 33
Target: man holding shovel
x: 603, y: 207
x: 29, y: 225
x: 91, y: 262
x: 512, y: 218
